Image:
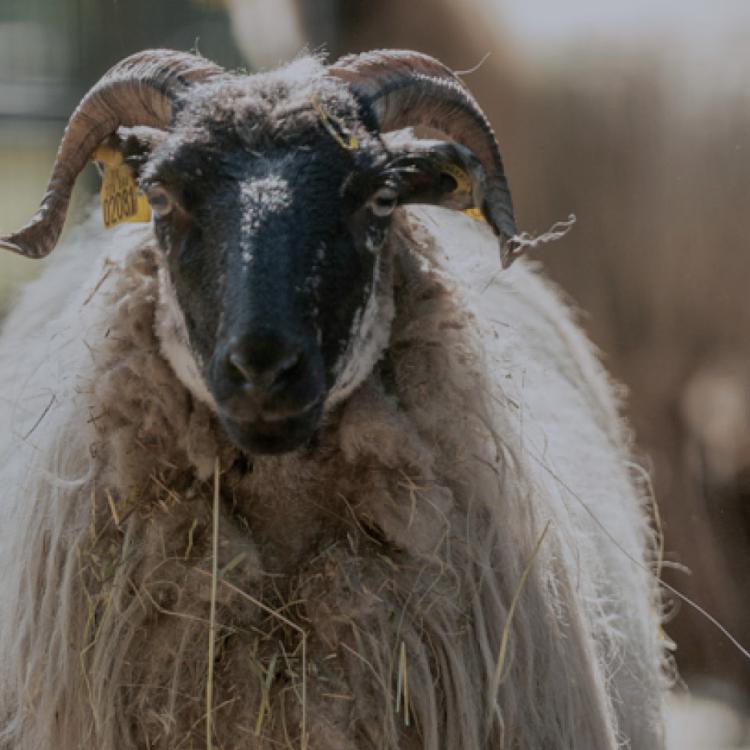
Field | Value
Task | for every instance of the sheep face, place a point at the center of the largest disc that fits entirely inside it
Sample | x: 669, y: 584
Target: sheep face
x: 272, y: 197
x: 272, y: 229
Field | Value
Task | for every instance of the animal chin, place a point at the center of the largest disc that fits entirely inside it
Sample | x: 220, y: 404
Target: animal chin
x: 259, y: 437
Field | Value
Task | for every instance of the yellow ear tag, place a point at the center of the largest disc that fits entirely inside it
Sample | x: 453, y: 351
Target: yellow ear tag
x: 120, y: 197
x: 474, y: 213
x: 463, y: 185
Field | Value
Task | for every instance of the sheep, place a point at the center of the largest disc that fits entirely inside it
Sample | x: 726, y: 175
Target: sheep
x: 430, y: 531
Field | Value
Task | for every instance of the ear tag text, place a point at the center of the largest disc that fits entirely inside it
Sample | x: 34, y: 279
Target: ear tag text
x: 120, y: 198
x: 465, y: 187
x: 336, y: 127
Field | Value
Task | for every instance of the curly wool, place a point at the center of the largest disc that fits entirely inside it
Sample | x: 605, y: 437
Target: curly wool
x: 366, y: 581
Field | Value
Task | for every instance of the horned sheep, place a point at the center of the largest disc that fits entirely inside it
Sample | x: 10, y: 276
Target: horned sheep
x: 430, y: 534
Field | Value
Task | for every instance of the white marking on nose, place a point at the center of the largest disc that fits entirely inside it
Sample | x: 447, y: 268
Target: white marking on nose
x: 367, y: 341
x: 171, y: 331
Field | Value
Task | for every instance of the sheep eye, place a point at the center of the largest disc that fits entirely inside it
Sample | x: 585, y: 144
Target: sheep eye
x: 160, y: 200
x: 384, y: 201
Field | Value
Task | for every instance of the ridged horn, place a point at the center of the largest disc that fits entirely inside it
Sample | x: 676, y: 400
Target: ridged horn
x: 139, y: 90
x: 400, y: 88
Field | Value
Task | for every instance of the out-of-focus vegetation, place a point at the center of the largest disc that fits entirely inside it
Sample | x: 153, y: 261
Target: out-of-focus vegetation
x: 24, y: 166
x: 655, y: 165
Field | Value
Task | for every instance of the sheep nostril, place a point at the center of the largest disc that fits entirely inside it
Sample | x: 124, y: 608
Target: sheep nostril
x: 241, y: 367
x: 267, y: 378
x: 260, y: 367
x: 288, y: 368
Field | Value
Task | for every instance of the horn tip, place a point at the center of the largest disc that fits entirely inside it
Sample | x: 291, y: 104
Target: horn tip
x: 6, y: 243
x: 510, y: 250
x: 15, y: 245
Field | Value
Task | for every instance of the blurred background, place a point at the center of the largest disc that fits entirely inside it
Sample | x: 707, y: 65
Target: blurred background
x: 634, y: 116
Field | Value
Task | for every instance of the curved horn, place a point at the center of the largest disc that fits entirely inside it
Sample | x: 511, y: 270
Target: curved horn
x: 139, y: 90
x: 400, y: 88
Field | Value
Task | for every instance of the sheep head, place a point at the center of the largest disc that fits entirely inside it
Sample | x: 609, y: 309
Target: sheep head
x: 272, y: 196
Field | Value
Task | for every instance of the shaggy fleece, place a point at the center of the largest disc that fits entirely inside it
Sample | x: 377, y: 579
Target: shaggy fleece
x: 366, y: 581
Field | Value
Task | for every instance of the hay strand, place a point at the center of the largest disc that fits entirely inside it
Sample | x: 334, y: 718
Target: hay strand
x: 402, y: 686
x: 212, y: 616
x: 289, y: 623
x: 502, y: 653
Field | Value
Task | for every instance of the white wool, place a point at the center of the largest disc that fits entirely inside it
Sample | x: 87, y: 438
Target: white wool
x: 576, y: 449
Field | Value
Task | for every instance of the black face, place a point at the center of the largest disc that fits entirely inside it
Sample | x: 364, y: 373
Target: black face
x: 272, y: 252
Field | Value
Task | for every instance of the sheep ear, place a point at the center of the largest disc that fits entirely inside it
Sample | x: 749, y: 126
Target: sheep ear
x: 132, y: 146
x: 438, y: 173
